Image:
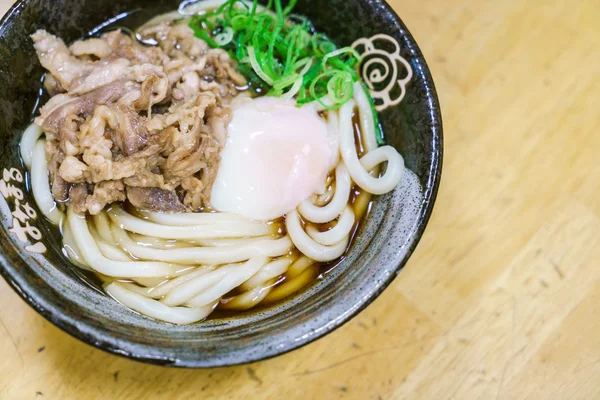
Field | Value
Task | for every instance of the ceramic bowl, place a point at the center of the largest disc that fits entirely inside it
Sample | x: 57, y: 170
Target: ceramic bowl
x: 31, y: 260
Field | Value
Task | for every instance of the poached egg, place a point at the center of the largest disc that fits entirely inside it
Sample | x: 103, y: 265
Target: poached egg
x: 276, y: 156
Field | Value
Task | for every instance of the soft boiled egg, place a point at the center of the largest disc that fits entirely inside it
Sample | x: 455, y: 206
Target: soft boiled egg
x: 276, y: 156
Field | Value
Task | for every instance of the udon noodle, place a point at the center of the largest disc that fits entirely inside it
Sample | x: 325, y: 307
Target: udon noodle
x: 180, y: 267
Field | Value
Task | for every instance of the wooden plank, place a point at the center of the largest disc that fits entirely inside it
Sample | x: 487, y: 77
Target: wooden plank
x: 501, y: 298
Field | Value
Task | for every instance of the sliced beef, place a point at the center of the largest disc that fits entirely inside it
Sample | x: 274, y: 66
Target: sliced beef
x: 77, y: 196
x: 52, y: 85
x: 124, y: 46
x: 154, y: 199
x: 131, y: 135
x: 105, y: 192
x: 91, y: 47
x: 137, y: 122
x: 84, y: 106
x: 101, y: 73
x: 56, y: 58
x: 59, y: 187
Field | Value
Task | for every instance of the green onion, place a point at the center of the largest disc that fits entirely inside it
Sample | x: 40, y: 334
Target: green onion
x: 339, y: 52
x: 225, y: 37
x: 202, y: 34
x: 257, y: 68
x: 279, y: 53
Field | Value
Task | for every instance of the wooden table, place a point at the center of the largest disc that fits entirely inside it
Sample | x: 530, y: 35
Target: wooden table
x: 501, y: 299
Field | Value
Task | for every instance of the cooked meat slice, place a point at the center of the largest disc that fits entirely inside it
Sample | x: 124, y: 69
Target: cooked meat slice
x: 106, y: 192
x: 60, y: 187
x: 147, y: 178
x: 155, y: 85
x: 67, y: 135
x: 183, y: 37
x: 131, y: 134
x: 222, y: 63
x: 83, y: 106
x: 195, y: 196
x: 77, y: 196
x: 101, y: 167
x: 52, y: 85
x: 72, y: 169
x: 174, y: 38
x: 154, y: 32
x: 93, y: 198
x: 103, y: 72
x: 56, y: 58
x: 188, y: 161
x: 154, y: 199
x: 80, y: 77
x: 188, y: 88
x: 95, y: 47
x: 189, y: 115
x: 52, y: 105
x: 181, y: 65
x: 122, y: 45
x: 218, y: 122
x: 150, y: 118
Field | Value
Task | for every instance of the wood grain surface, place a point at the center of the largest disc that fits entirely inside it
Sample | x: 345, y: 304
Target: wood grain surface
x: 501, y: 299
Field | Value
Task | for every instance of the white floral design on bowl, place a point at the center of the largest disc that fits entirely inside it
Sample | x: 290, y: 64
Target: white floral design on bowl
x: 380, y: 69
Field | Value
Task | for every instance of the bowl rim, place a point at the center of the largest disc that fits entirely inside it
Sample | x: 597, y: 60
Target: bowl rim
x: 98, y: 338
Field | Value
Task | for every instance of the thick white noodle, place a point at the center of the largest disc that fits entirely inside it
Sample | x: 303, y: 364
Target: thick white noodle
x: 155, y: 309
x: 331, y: 211
x: 299, y: 266
x: 155, y: 282
x: 324, y: 246
x: 365, y: 116
x: 248, y: 299
x: 93, y: 256
x: 166, y: 287
x: 102, y: 225
x: 70, y: 247
x: 232, y: 242
x: 395, y: 163
x: 229, y: 282
x: 164, y: 244
x: 336, y: 234
x: 216, y: 230
x: 150, y: 282
x: 199, y: 288
x: 309, y: 246
x: 322, y: 199
x: 112, y: 252
x: 270, y: 271
x: 205, y: 255
x: 28, y: 141
x: 191, y: 219
x: 41, y: 185
x: 132, y: 287
x: 318, y: 106
x: 333, y: 134
x: 196, y: 285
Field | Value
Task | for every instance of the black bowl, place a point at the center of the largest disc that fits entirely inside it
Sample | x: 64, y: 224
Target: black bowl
x: 55, y: 288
